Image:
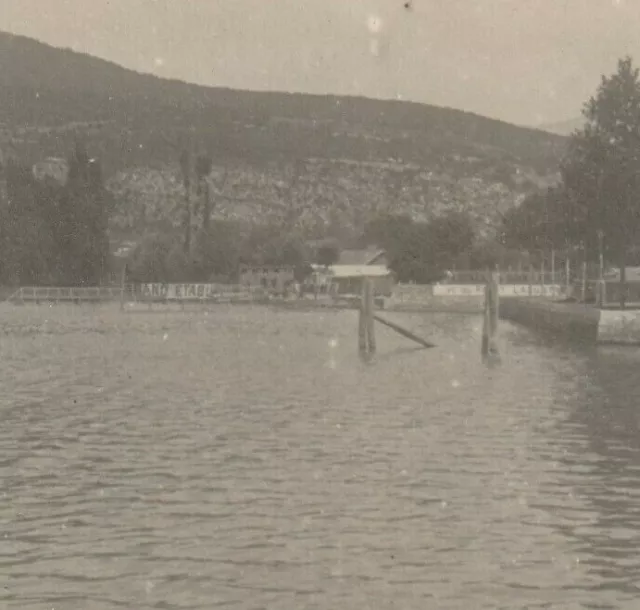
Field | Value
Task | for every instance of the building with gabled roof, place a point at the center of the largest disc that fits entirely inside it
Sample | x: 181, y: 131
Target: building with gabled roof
x: 369, y: 256
x: 347, y: 279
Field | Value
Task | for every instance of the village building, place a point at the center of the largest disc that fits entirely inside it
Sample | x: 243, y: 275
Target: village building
x: 273, y: 278
x: 369, y: 256
x: 346, y: 275
x: 347, y: 279
x: 52, y: 167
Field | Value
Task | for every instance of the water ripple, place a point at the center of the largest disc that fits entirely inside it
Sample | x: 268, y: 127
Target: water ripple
x: 245, y: 458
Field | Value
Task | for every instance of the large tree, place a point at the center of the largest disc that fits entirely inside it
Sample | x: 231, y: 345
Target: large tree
x: 602, y: 173
x: 28, y: 251
x: 52, y: 233
x: 420, y: 251
x: 82, y: 220
x: 541, y: 223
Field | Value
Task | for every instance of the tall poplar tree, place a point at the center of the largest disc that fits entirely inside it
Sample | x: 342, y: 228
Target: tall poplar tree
x: 602, y: 173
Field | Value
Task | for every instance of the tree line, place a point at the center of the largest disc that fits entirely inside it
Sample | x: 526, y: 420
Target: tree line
x: 58, y: 234
x: 54, y: 233
x: 207, y: 249
x: 419, y: 252
x: 51, y: 233
x: 592, y: 214
x: 594, y: 210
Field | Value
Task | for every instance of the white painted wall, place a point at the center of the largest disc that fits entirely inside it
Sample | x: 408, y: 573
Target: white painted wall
x: 506, y: 290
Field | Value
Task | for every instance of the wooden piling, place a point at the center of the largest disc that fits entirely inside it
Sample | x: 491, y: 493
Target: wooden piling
x: 601, y: 294
x: 362, y: 327
x: 495, y: 303
x: 366, y: 330
x: 371, y: 332
x: 491, y: 315
x: 367, y: 319
x: 123, y: 280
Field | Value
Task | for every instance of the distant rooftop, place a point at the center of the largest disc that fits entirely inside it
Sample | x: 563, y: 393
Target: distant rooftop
x: 360, y: 257
x: 344, y: 271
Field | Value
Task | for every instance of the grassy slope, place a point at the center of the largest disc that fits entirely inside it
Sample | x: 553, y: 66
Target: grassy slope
x: 311, y: 159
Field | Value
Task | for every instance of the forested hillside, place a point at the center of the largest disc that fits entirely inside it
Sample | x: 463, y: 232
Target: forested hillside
x: 322, y: 165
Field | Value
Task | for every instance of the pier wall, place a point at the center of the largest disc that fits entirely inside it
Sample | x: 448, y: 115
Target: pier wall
x: 575, y: 321
x: 619, y: 327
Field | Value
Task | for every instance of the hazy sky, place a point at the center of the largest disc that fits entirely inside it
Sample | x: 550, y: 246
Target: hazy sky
x: 524, y: 61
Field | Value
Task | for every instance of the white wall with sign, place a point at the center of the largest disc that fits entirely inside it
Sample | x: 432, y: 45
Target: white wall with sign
x: 180, y: 292
x: 506, y: 290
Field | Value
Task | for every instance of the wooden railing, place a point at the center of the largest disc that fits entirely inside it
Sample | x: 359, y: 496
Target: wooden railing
x: 36, y: 294
x: 139, y: 293
x: 607, y: 293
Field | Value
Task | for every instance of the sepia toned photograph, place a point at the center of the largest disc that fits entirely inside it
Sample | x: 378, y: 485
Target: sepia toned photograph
x: 319, y: 304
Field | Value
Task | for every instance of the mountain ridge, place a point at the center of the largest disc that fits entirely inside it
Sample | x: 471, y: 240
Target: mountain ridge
x: 313, y: 155
x: 563, y: 128
x: 9, y: 40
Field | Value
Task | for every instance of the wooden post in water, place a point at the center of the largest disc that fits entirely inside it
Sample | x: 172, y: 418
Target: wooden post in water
x: 601, y: 293
x: 584, y: 281
x: 362, y: 325
x: 371, y: 331
x: 366, y: 330
x: 491, y: 315
x: 123, y: 280
x: 484, y: 350
x: 366, y: 323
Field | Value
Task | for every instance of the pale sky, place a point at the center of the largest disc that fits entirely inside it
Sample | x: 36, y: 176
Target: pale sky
x: 523, y: 61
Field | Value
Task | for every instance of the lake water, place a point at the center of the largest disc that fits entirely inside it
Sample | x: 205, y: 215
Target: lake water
x: 246, y: 458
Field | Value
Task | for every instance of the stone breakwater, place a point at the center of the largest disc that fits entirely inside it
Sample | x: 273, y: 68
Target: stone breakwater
x: 575, y: 321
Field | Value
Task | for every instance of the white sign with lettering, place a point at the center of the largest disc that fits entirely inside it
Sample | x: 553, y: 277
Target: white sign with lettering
x: 506, y: 290
x: 179, y: 292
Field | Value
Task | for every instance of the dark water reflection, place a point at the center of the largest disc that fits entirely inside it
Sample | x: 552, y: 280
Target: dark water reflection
x: 603, y: 461
x: 246, y: 458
